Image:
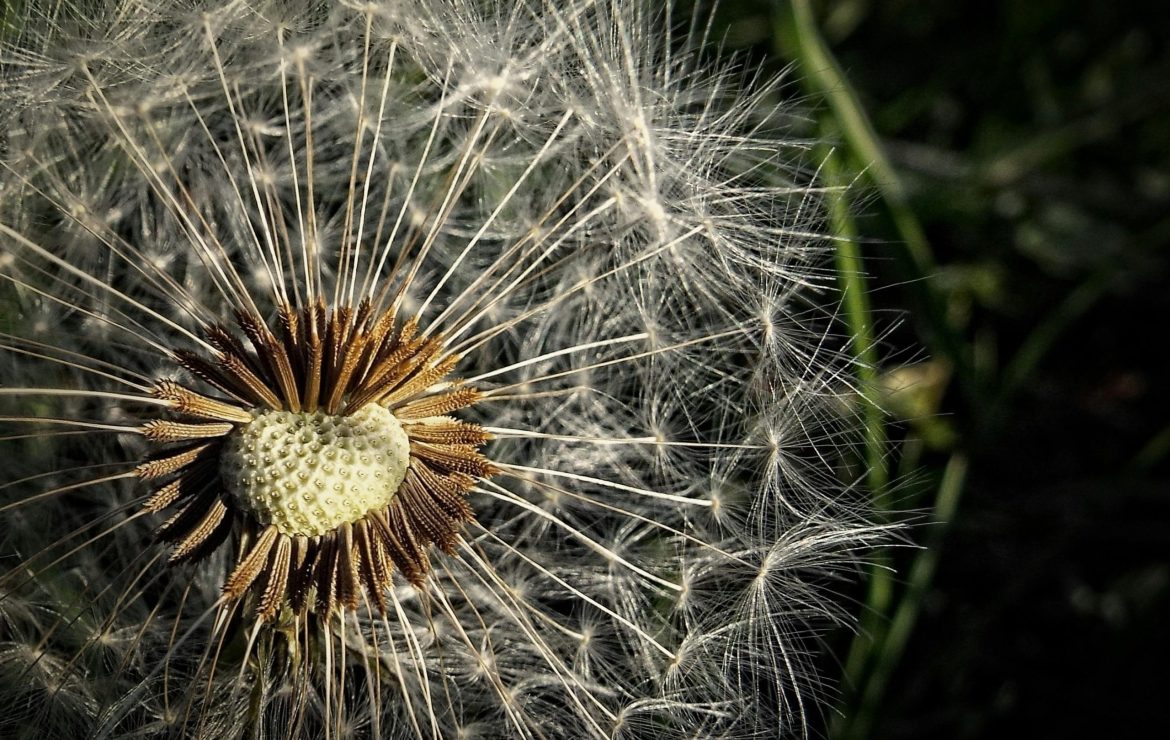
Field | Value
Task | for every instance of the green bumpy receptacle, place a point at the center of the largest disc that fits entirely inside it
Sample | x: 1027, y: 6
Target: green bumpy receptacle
x: 309, y: 473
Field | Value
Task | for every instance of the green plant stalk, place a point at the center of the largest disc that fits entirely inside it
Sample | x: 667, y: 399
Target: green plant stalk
x: 858, y: 317
x: 859, y: 320
x: 799, y: 39
x: 905, y: 617
x: 822, y: 71
x: 881, y: 639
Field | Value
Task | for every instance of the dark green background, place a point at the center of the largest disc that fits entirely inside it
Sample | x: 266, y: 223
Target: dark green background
x: 1031, y: 140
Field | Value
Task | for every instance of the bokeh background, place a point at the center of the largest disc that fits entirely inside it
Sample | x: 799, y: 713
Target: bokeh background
x: 1009, y: 198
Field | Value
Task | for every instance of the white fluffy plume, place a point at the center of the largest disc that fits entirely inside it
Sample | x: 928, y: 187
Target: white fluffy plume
x: 610, y: 230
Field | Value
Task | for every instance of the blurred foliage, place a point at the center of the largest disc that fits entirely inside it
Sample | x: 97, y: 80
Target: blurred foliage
x: 1009, y: 198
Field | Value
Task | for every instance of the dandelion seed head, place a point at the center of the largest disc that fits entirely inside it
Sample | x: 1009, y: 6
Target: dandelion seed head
x: 409, y: 369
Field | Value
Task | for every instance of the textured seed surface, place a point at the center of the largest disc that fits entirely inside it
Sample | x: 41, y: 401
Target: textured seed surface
x: 308, y: 474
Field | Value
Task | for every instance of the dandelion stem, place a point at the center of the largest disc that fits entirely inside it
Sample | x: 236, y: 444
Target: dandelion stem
x: 799, y: 38
x: 858, y: 724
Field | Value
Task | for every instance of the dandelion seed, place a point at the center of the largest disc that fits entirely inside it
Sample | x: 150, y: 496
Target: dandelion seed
x: 406, y: 370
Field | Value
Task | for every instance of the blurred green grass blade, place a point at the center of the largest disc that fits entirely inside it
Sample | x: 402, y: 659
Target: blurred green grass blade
x: 858, y: 317
x: 800, y: 40
x: 859, y: 724
x: 885, y: 626
x: 818, y: 66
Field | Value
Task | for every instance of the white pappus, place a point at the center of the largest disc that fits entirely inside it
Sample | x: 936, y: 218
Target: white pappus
x: 547, y: 272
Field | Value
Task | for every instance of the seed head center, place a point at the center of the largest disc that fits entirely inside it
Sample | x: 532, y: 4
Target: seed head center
x: 309, y: 473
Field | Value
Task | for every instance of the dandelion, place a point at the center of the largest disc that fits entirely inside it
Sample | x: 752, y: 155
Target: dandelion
x: 394, y: 369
